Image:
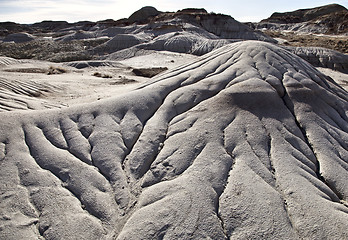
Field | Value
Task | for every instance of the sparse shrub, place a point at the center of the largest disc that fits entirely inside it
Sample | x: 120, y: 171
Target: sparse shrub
x: 54, y: 51
x: 26, y: 70
x: 102, y: 75
x: 56, y: 70
x: 123, y: 80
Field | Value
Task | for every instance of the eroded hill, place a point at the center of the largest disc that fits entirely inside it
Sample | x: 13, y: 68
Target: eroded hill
x: 248, y: 141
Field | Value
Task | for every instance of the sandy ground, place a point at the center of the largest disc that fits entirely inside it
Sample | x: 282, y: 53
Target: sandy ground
x: 76, y: 86
x: 339, y: 77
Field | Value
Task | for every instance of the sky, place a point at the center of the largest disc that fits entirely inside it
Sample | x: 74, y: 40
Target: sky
x: 31, y: 11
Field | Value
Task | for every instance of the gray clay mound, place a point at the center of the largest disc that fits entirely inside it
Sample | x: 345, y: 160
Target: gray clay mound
x: 322, y: 57
x: 119, y: 42
x: 19, y: 37
x: 248, y: 142
x: 226, y: 27
x: 182, y: 42
x: 78, y: 35
x: 207, y: 45
x: 114, y: 31
x: 188, y: 43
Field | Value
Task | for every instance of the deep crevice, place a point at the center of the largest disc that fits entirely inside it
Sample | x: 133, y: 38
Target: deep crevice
x: 225, y: 185
x: 89, y: 211
x: 317, y: 163
x: 221, y: 219
x: 269, y: 144
x: 276, y: 187
x: 222, y: 222
x: 135, y: 189
x: 286, y: 99
x: 51, y: 140
x: 58, y: 147
x: 3, y: 150
x: 164, y: 137
x: 70, y: 150
x: 42, y: 230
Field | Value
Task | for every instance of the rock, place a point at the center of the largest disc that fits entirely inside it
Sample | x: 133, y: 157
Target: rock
x: 143, y: 14
x: 180, y: 42
x: 148, y: 72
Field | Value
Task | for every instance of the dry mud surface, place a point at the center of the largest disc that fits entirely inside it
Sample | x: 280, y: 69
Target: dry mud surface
x: 246, y: 142
x: 34, y: 84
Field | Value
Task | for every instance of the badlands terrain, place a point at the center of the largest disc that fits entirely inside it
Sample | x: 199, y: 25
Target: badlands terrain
x: 175, y: 125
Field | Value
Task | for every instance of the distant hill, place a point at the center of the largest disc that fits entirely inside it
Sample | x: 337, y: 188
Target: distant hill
x: 143, y: 14
x: 328, y: 19
x: 7, y: 28
x: 304, y: 15
x: 193, y: 31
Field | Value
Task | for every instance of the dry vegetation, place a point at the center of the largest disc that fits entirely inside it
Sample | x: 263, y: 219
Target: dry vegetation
x: 56, y: 70
x: 50, y: 50
x: 26, y: 70
x: 102, y: 75
x: 148, y: 72
x: 338, y: 43
x: 49, y: 71
x: 123, y: 80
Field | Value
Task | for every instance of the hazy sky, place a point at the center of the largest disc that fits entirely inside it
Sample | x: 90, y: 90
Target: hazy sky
x: 31, y: 11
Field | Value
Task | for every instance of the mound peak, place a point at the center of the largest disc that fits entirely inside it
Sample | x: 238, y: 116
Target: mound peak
x: 143, y: 14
